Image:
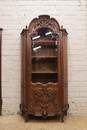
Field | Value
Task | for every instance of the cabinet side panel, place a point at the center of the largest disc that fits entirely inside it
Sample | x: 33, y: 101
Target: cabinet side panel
x: 23, y: 70
x: 65, y: 75
x: 0, y: 72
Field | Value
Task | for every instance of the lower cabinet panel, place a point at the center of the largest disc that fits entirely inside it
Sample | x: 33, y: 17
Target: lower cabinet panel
x: 43, y: 99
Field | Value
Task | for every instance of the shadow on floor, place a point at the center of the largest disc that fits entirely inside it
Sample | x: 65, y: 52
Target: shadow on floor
x: 36, y: 119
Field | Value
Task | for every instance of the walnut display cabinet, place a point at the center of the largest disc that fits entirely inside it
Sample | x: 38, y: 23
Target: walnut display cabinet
x: 44, y: 69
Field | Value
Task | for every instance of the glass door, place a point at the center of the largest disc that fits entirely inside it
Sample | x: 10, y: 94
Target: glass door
x: 44, y: 56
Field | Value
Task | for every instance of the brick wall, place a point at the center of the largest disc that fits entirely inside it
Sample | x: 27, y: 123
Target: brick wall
x: 72, y: 14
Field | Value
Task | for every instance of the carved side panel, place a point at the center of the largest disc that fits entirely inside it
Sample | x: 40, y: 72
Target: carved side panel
x: 0, y: 71
x: 65, y: 74
x: 23, y: 70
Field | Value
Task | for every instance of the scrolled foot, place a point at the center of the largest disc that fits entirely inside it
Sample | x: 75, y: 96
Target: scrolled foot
x: 26, y: 118
x: 62, y: 117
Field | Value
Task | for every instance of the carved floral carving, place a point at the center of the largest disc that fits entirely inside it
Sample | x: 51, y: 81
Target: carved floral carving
x: 44, y: 95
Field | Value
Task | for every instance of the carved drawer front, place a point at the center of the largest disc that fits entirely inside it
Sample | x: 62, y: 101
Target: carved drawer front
x: 44, y: 97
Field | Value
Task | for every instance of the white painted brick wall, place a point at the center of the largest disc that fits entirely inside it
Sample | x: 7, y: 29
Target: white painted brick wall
x: 72, y: 14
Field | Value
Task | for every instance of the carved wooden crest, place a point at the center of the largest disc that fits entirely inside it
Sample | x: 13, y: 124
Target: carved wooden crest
x: 44, y: 21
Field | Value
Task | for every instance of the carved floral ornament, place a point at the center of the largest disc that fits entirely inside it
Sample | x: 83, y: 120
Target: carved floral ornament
x: 44, y: 21
x: 44, y: 95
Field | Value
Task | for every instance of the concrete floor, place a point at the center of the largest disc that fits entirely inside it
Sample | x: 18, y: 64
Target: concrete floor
x: 16, y: 122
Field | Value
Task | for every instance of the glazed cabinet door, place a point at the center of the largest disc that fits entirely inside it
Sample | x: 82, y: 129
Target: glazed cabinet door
x: 43, y: 74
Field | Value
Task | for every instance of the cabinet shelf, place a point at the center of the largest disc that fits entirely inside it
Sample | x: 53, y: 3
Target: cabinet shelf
x: 44, y: 42
x: 48, y: 57
x: 38, y: 72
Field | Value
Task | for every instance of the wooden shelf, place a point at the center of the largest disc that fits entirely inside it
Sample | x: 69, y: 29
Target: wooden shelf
x: 38, y: 72
x: 44, y: 42
x: 44, y: 57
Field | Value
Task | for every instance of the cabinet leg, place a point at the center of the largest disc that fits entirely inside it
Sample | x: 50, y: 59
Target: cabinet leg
x: 0, y: 110
x: 66, y: 112
x: 62, y: 117
x: 22, y: 112
x: 26, y: 117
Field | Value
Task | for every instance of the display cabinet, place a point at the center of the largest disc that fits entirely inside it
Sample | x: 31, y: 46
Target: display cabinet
x: 44, y: 69
x: 0, y: 70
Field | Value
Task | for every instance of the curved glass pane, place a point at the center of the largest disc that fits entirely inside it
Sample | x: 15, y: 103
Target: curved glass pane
x: 44, y: 56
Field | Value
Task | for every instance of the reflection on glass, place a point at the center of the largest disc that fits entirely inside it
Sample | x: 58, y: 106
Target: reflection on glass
x: 44, y: 56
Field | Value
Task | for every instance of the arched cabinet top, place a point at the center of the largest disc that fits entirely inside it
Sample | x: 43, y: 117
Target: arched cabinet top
x: 44, y: 21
